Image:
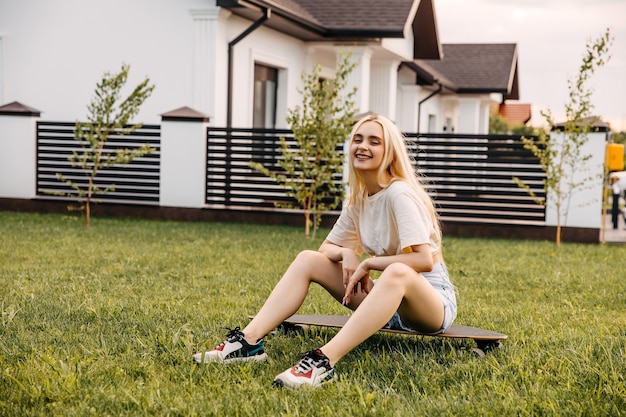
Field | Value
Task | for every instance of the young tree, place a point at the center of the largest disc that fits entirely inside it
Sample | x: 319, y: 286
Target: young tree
x: 498, y: 125
x: 106, y: 115
x: 320, y: 125
x: 561, y: 159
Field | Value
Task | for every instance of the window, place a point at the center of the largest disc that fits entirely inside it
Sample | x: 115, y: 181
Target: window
x: 432, y: 123
x: 265, y: 91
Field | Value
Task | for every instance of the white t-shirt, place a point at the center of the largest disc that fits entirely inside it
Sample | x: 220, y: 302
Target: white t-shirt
x: 390, y: 221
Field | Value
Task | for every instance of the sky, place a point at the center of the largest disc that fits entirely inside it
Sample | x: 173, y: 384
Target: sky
x: 551, y: 36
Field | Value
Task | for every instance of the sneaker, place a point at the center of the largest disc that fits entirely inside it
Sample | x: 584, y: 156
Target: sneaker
x: 313, y: 370
x: 233, y: 349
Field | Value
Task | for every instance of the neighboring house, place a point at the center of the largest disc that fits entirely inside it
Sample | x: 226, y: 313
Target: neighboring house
x: 514, y: 114
x: 240, y: 61
x: 471, y: 78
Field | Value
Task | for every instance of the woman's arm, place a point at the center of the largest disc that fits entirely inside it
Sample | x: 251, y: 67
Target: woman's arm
x: 334, y: 252
x: 420, y: 259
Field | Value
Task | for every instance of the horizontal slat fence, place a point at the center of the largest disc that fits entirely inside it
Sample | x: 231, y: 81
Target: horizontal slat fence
x: 135, y: 183
x: 469, y: 176
x: 231, y: 182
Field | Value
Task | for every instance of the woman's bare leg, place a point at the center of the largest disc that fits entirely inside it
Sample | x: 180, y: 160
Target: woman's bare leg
x: 290, y: 292
x: 398, y: 288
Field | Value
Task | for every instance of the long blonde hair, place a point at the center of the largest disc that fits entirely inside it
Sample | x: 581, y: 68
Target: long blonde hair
x: 396, y: 162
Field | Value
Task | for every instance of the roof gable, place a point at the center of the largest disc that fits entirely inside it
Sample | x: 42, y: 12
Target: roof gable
x: 477, y: 68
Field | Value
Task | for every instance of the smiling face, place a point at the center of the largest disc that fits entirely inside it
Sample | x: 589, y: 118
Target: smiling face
x: 367, y: 148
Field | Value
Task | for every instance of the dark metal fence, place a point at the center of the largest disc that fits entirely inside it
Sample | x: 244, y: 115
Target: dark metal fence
x: 469, y: 176
x: 135, y: 183
x: 231, y: 182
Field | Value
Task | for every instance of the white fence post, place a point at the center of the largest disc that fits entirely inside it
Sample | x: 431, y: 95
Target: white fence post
x: 585, y: 207
x: 18, y: 151
x: 183, y: 158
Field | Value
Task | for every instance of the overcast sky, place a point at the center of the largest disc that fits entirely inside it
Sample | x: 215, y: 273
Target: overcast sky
x: 551, y: 36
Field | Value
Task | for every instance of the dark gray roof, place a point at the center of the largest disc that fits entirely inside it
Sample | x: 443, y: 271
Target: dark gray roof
x: 352, y: 20
x: 357, y: 15
x: 476, y: 68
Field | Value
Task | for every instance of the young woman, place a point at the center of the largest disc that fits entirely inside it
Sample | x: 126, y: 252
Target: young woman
x: 389, y: 216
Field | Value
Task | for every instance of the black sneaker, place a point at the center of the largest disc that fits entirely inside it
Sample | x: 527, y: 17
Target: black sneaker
x: 313, y: 370
x: 233, y: 349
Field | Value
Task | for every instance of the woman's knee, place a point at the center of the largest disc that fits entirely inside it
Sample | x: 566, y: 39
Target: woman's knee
x: 312, y: 263
x: 309, y: 256
x: 316, y: 267
x: 396, y: 273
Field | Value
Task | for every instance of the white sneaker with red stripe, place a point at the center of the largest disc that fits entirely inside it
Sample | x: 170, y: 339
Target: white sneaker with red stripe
x: 313, y: 370
x: 233, y: 349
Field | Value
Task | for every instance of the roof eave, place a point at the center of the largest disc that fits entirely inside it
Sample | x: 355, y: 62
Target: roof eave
x: 513, y: 88
x: 426, y: 39
x: 281, y: 20
x: 506, y: 94
x: 425, y: 77
x: 374, y: 34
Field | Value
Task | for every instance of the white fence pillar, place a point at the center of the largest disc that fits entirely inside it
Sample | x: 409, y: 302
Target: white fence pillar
x: 585, y: 207
x: 183, y: 158
x: 18, y: 151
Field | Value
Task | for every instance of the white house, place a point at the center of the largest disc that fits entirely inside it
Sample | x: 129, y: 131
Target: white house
x: 240, y: 61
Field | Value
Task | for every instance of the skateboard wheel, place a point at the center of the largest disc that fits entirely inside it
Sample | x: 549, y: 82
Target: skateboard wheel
x: 286, y: 328
x: 479, y: 352
x: 483, y: 347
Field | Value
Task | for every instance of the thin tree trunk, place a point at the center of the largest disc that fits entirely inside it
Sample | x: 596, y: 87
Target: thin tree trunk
x: 558, y: 225
x: 307, y: 223
x: 88, y: 203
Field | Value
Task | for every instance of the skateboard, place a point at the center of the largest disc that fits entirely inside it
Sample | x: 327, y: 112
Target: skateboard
x: 486, y: 340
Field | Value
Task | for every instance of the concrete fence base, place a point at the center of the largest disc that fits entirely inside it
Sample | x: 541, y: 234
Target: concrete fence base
x: 570, y: 234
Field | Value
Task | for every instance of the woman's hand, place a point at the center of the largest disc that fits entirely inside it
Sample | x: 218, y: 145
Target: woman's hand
x: 355, y: 274
x: 349, y: 264
x: 359, y: 280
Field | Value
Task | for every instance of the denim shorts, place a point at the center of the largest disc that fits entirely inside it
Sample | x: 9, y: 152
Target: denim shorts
x: 440, y: 280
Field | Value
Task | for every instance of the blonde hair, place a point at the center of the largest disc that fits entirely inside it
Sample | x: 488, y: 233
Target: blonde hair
x: 396, y: 162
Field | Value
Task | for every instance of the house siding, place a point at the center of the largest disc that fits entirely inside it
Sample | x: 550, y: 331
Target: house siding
x: 55, y: 53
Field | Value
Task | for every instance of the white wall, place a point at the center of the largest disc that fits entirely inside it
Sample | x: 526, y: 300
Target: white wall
x: 2, y: 71
x: 270, y: 48
x: 56, y: 51
x: 585, y: 207
x: 183, y: 163
x: 18, y: 159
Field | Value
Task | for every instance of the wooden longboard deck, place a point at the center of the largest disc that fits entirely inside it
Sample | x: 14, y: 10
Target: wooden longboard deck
x: 454, y: 331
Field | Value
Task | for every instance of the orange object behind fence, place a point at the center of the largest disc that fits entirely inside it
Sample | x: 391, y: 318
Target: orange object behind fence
x: 615, y: 157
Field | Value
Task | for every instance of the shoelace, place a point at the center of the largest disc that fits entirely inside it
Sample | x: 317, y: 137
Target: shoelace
x: 231, y: 336
x: 308, y: 362
x: 233, y: 333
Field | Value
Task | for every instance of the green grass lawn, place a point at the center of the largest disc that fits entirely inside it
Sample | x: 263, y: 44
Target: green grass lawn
x: 103, y: 321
